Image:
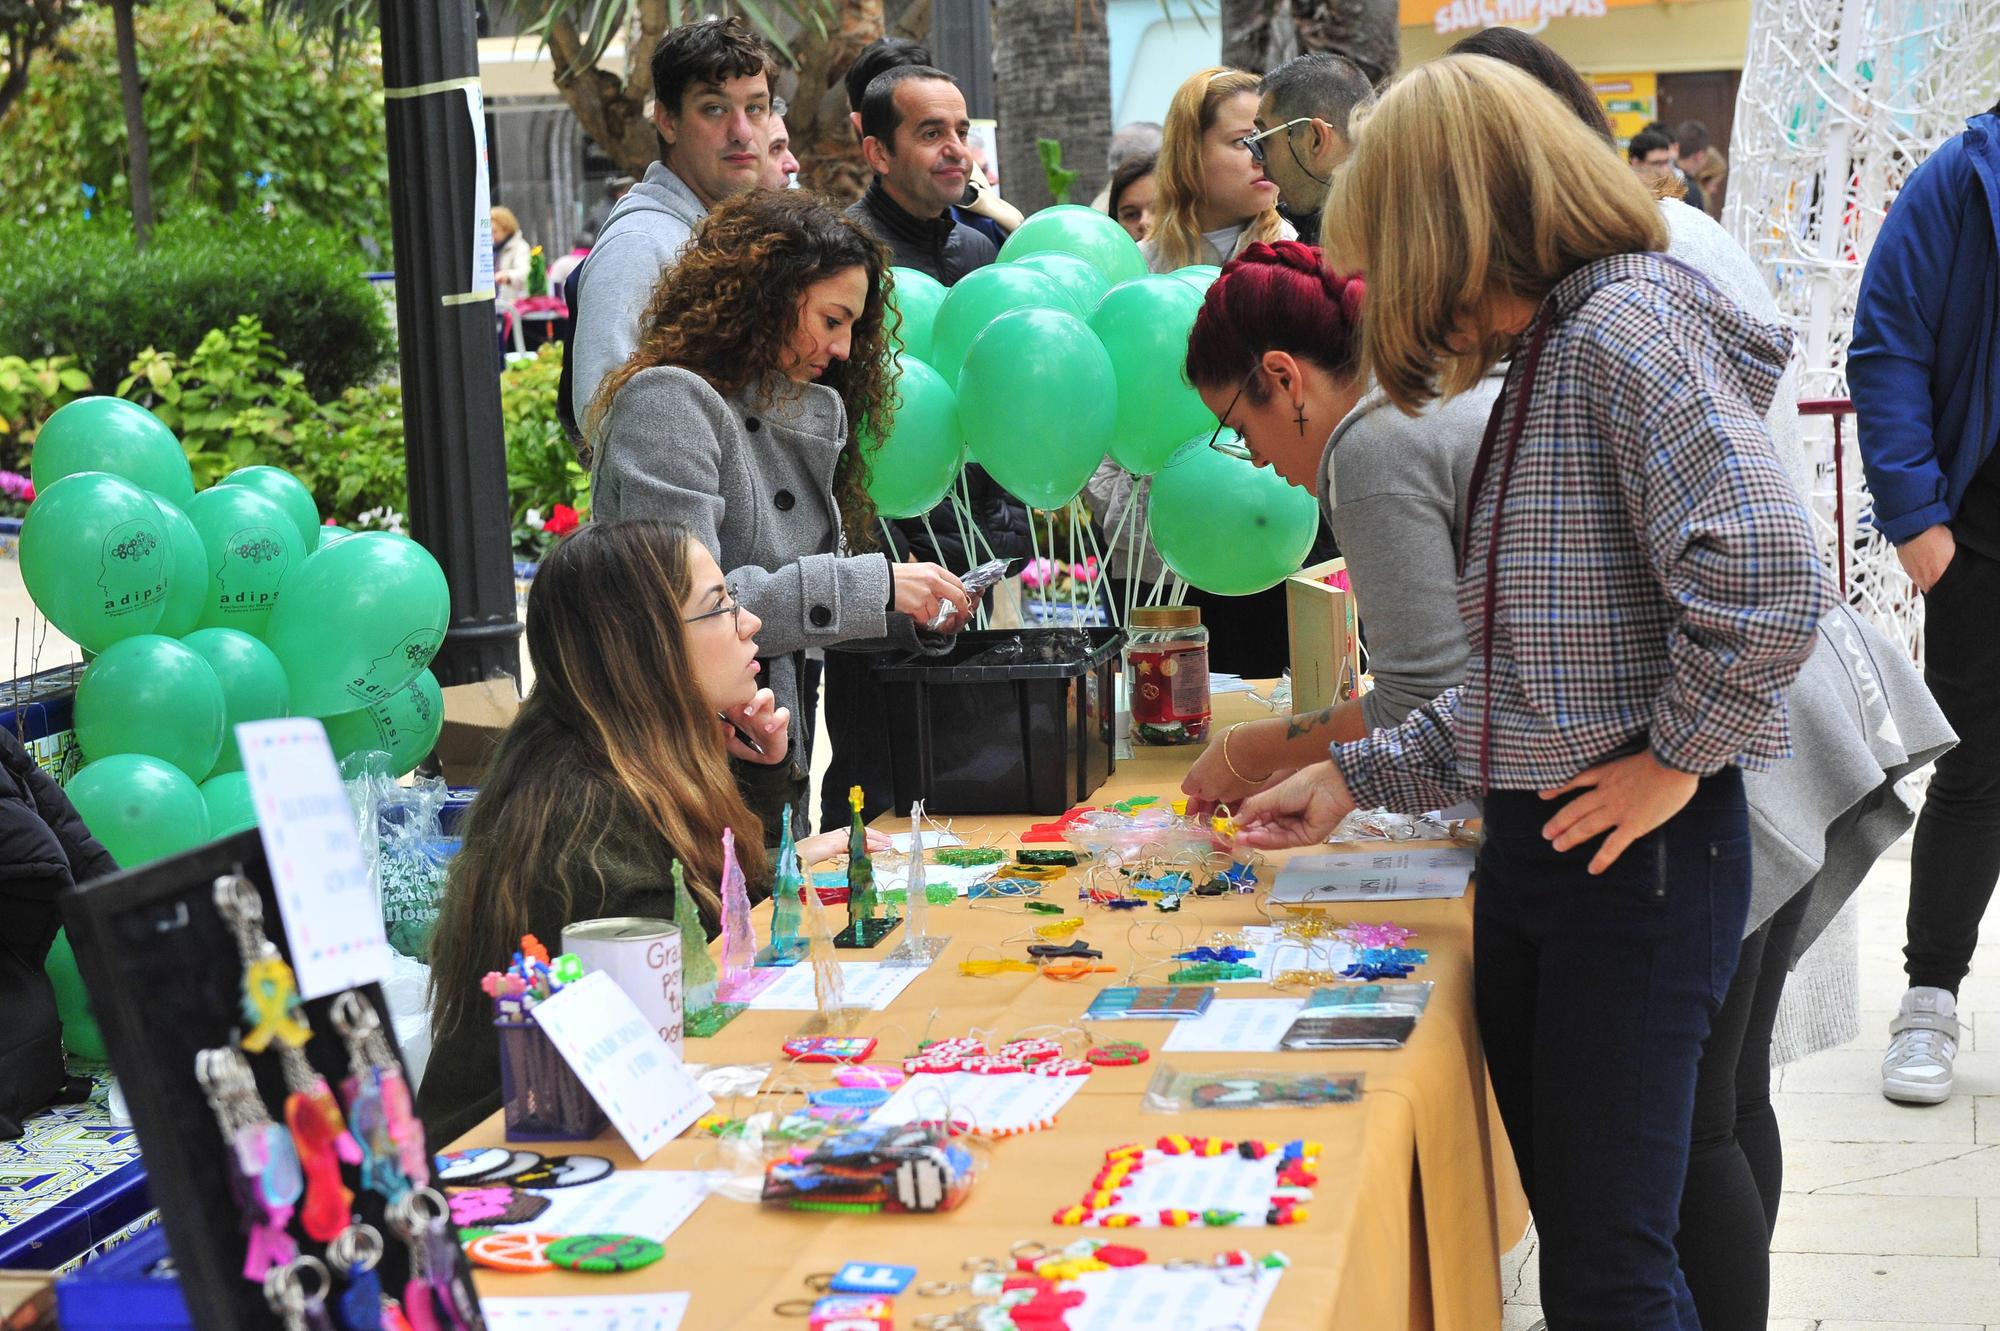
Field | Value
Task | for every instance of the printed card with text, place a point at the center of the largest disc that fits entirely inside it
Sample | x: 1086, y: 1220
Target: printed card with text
x: 333, y: 919
x: 622, y: 1061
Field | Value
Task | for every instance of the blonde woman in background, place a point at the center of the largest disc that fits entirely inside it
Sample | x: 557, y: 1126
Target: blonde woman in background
x: 510, y: 255
x: 1213, y: 200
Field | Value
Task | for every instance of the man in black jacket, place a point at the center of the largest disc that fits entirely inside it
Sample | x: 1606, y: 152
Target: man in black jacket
x: 913, y: 134
x: 44, y: 848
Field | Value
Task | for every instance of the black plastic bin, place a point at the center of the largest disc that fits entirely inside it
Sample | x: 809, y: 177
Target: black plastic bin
x: 1008, y: 721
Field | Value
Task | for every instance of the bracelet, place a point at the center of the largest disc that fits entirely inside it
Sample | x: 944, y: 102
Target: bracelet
x: 1227, y: 762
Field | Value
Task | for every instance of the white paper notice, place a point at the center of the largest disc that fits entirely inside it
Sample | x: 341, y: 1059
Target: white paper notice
x: 1375, y: 875
x: 651, y: 1203
x: 482, y: 198
x: 1197, y: 1183
x: 996, y: 1105
x: 587, y: 1312
x: 333, y: 919
x: 1158, y: 1299
x: 618, y: 1055
x: 1235, y: 1026
x: 864, y: 984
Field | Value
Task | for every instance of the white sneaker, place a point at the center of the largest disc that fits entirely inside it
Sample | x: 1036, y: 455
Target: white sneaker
x: 1923, y: 1041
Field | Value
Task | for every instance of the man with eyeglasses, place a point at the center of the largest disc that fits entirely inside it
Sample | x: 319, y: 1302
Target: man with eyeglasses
x: 1302, y: 133
x: 713, y: 112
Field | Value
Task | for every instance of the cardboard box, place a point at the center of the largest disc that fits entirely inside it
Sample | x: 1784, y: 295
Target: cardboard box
x: 1325, y: 638
x: 475, y: 716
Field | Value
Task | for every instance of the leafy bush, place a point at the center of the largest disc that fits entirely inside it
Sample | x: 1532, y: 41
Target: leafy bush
x: 77, y: 288
x: 30, y: 391
x: 235, y: 402
x: 241, y: 117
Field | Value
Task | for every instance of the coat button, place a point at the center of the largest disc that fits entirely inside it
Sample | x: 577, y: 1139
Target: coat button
x: 784, y: 500
x: 820, y: 616
x: 752, y: 424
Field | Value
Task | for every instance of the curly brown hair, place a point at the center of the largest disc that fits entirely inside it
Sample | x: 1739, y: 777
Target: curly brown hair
x: 728, y: 307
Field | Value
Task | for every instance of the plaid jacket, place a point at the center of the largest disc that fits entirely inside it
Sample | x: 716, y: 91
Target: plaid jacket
x: 1653, y: 578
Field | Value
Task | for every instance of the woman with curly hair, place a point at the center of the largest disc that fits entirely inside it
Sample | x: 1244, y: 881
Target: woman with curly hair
x: 760, y: 355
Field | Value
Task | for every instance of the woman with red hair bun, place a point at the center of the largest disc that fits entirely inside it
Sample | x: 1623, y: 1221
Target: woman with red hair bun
x: 1275, y: 353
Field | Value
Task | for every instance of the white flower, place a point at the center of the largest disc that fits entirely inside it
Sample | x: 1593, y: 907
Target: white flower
x: 533, y: 518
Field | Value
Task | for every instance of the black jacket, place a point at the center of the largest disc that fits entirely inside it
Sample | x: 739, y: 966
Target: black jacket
x: 1002, y: 520
x: 44, y: 848
x: 941, y: 247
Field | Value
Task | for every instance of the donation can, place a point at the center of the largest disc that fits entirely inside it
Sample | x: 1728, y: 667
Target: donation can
x: 644, y: 957
x: 1166, y: 670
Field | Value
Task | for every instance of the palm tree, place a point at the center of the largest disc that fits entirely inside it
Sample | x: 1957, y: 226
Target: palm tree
x: 1051, y: 80
x: 1262, y: 34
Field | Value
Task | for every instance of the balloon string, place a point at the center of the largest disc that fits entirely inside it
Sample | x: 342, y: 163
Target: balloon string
x: 1034, y: 556
x: 1160, y: 585
x: 963, y: 500
x: 1095, y: 553
x: 1110, y: 548
x: 1179, y: 595
x: 1135, y: 570
x: 1069, y: 517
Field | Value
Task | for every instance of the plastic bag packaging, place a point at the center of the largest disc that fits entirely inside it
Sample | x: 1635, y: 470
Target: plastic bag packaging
x: 1173, y: 1091
x: 407, y: 992
x: 408, y: 855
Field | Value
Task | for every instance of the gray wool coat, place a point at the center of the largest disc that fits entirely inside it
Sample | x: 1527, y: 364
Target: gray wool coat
x: 752, y: 477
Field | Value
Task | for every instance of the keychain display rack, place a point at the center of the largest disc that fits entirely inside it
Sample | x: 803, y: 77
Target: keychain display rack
x: 166, y: 972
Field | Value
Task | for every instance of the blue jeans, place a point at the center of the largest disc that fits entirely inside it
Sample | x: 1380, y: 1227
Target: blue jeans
x: 1594, y: 996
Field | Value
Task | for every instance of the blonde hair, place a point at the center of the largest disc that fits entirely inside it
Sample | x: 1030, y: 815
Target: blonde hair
x: 1176, y: 236
x: 1470, y: 180
x: 504, y: 216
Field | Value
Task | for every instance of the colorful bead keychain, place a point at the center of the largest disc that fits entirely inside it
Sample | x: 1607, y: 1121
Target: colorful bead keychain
x: 380, y: 1115
x: 264, y: 1172
x: 438, y: 1296
x: 354, y: 1255
x: 296, y: 1291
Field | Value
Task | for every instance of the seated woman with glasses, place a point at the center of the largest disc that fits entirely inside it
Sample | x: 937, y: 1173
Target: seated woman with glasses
x: 617, y: 765
x: 1212, y: 199
x: 760, y: 358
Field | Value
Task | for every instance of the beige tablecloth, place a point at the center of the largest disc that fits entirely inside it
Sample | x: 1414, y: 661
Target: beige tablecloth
x: 1417, y: 1198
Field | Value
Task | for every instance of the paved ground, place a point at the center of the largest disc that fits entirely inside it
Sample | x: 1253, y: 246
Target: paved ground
x: 1891, y: 1216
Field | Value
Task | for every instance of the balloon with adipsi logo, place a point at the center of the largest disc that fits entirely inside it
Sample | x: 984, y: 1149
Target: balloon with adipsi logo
x: 357, y: 621
x: 95, y: 556
x: 252, y: 544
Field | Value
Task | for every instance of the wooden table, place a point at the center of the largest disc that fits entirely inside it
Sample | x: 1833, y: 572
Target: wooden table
x: 1417, y: 1196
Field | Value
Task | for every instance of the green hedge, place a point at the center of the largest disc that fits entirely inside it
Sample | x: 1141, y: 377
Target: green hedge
x: 76, y: 288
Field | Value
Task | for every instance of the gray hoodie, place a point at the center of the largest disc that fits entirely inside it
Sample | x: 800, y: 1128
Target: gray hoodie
x: 639, y: 241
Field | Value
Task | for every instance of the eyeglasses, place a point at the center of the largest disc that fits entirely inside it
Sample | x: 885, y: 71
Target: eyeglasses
x: 1254, y: 143
x: 1214, y: 439
x: 734, y: 609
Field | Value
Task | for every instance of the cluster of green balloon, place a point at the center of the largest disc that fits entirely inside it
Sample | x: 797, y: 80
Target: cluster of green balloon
x: 176, y: 595
x: 1226, y: 526
x: 911, y: 468
x: 1144, y: 325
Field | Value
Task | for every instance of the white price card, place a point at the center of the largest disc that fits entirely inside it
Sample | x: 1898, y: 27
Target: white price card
x: 333, y: 919
x: 635, y: 1077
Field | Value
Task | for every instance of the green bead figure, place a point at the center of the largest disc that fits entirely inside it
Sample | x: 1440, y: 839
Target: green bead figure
x: 698, y: 979
x: 865, y: 927
x: 786, y: 947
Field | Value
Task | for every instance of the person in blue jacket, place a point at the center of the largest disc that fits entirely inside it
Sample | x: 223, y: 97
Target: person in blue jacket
x: 1924, y: 371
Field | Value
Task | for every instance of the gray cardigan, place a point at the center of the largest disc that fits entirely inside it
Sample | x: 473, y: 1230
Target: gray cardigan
x: 752, y: 478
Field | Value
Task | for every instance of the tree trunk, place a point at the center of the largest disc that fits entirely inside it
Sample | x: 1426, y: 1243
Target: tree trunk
x: 1051, y: 78
x: 612, y: 113
x: 822, y: 137
x: 1260, y: 35
x: 138, y: 169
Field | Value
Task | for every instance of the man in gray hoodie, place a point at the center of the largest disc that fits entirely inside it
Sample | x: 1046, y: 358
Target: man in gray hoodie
x: 713, y: 110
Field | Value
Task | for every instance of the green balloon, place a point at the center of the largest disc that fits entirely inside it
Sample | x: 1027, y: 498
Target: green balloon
x: 251, y: 546
x: 1144, y: 324
x: 142, y: 809
x: 151, y: 695
x: 916, y: 298
x: 80, y: 1035
x: 254, y: 687
x: 112, y: 435
x: 329, y: 533
x: 357, y: 621
x: 1090, y: 235
x: 1037, y: 401
x: 227, y: 798
x: 187, y: 572
x: 1085, y: 285
x: 406, y: 726
x: 910, y: 471
x: 287, y: 492
x: 982, y: 296
x: 1202, y: 275
x: 95, y: 556
x: 1227, y: 526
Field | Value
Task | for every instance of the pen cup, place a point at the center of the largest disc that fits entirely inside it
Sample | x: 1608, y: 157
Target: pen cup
x: 540, y: 1096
